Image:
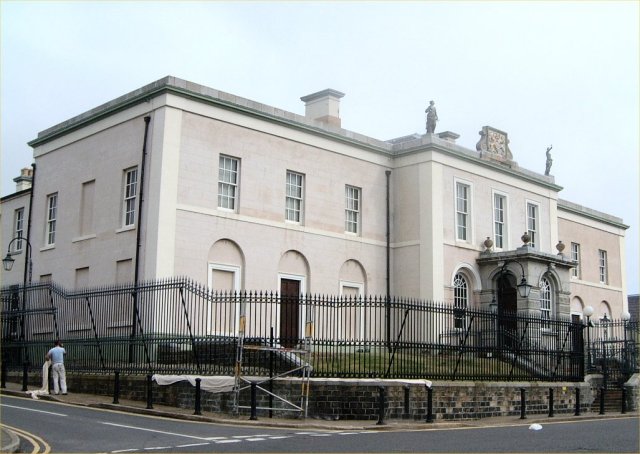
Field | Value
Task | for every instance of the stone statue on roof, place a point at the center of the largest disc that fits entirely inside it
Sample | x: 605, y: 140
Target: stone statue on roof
x: 549, y: 160
x: 432, y: 117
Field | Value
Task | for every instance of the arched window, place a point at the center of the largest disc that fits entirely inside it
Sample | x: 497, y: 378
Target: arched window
x: 545, y: 303
x: 460, y: 299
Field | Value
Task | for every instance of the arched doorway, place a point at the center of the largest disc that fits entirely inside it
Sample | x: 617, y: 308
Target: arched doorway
x: 507, y: 311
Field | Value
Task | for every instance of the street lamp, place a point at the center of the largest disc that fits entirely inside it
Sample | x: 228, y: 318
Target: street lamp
x: 8, y: 261
x: 588, y: 312
x: 524, y: 288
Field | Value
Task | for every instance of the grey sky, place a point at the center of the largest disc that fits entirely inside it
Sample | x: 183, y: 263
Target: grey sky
x: 548, y: 73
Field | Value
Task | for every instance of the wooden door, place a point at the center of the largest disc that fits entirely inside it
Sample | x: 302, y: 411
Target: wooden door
x: 289, y: 312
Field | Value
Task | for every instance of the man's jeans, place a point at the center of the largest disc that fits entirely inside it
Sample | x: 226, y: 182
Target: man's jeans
x: 59, y: 372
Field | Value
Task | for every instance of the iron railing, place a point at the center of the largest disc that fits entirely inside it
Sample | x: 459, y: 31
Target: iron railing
x: 176, y: 326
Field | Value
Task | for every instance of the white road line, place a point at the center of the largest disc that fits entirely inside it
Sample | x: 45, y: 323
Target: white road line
x: 152, y: 430
x: 215, y: 438
x: 243, y: 436
x: 228, y: 441
x: 280, y: 437
x: 125, y: 450
x: 31, y: 409
x: 191, y: 444
x: 320, y: 435
x: 158, y: 447
x: 255, y: 439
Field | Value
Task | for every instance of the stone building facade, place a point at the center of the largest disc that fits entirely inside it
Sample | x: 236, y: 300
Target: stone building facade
x: 178, y: 179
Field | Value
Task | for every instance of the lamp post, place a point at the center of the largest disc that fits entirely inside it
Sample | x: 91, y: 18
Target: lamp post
x: 7, y: 264
x: 625, y: 316
x: 588, y: 312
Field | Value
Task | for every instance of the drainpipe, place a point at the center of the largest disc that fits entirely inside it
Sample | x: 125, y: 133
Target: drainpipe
x: 147, y: 119
x: 28, y: 258
x: 388, y: 301
x: 28, y: 261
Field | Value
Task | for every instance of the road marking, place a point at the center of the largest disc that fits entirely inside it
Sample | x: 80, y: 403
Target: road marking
x: 279, y: 437
x: 320, y: 435
x: 255, y: 439
x: 227, y: 441
x: 35, y: 441
x: 31, y: 409
x: 158, y: 447
x: 125, y: 450
x: 153, y: 430
x: 191, y: 444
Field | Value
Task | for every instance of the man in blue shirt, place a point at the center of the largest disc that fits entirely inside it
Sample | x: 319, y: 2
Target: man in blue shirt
x: 56, y: 355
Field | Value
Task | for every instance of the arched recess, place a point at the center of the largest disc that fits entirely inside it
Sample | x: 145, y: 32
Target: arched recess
x: 349, y: 320
x: 293, y: 274
x: 605, y: 309
x: 352, y: 279
x: 577, y: 306
x: 226, y: 264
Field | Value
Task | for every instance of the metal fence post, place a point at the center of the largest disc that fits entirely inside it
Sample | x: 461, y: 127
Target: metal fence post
x: 523, y: 404
x: 25, y: 375
x: 429, y: 404
x: 577, y: 413
x: 3, y: 378
x: 149, y: 392
x: 624, y: 400
x: 380, y: 405
x: 602, y: 400
x: 550, y: 402
x: 254, y: 392
x: 116, y: 387
x: 198, y: 410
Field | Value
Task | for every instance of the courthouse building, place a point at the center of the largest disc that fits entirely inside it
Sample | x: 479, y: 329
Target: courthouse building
x: 178, y: 179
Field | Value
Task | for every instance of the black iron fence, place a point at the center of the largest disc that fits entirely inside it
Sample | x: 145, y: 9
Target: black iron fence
x: 179, y: 327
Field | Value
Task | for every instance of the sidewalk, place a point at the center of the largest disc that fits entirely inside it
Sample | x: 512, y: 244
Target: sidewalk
x: 96, y: 401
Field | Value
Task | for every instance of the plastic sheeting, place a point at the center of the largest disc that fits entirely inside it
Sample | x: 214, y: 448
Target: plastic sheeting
x: 212, y: 384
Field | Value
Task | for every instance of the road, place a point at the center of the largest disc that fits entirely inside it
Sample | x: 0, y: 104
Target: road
x: 67, y: 428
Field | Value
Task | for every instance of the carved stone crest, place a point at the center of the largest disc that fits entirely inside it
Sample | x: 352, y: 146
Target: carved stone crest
x: 494, y: 143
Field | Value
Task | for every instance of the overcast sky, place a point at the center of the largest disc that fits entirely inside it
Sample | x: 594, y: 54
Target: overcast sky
x: 547, y: 73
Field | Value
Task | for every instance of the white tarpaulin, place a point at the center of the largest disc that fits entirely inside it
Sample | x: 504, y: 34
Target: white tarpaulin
x: 45, y: 381
x: 212, y: 384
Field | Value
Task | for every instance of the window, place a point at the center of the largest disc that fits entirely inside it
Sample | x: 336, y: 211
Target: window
x: 18, y: 229
x: 130, y: 192
x: 499, y: 206
x: 352, y: 210
x: 575, y: 256
x: 460, y: 299
x: 293, y: 209
x: 545, y: 303
x: 532, y: 223
x: 604, y: 275
x: 52, y: 214
x: 462, y: 211
x: 228, y: 169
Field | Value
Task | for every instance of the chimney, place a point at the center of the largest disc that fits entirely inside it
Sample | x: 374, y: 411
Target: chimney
x: 24, y: 180
x: 323, y: 106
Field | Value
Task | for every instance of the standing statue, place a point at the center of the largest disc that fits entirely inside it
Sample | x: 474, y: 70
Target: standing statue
x: 549, y: 161
x: 432, y: 117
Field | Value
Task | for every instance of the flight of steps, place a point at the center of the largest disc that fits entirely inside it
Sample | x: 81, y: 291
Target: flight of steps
x: 612, y: 401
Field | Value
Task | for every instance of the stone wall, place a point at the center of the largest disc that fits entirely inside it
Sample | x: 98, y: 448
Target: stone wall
x: 359, y: 399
